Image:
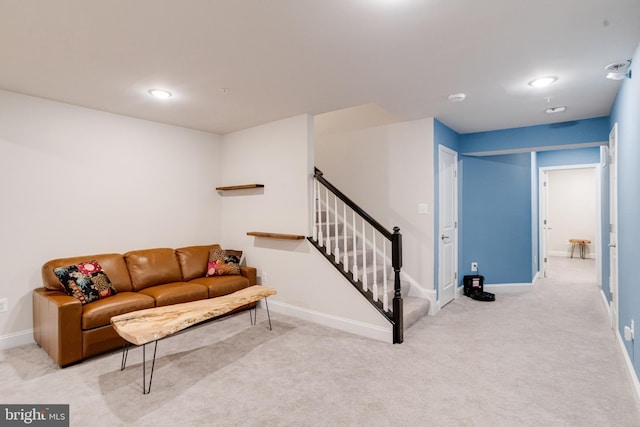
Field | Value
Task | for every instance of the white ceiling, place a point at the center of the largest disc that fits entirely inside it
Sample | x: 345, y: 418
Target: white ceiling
x: 280, y: 58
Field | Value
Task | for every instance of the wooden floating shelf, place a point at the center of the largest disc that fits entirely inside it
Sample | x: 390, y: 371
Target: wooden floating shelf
x: 275, y: 235
x: 240, y: 187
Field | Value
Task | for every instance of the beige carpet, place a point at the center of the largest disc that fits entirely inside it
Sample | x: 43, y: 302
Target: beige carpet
x: 542, y: 357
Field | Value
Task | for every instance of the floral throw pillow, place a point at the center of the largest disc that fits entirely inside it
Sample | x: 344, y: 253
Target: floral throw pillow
x: 85, y: 281
x: 223, y: 262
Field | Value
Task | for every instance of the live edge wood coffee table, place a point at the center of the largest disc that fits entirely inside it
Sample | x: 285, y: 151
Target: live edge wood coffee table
x: 144, y: 326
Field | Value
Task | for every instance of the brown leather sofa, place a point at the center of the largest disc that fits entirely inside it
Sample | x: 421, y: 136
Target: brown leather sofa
x: 71, y: 332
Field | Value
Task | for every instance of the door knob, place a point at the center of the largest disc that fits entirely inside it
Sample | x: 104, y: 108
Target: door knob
x: 612, y: 245
x: 444, y: 237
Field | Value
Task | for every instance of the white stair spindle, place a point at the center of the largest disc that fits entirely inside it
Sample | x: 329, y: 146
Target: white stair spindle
x: 315, y: 213
x: 345, y: 256
x: 365, y: 286
x: 336, y: 236
x: 327, y: 222
x: 385, y: 297
x: 375, y: 267
x: 355, y: 248
x: 320, y: 236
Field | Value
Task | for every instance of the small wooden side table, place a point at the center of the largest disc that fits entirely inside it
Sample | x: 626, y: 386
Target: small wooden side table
x: 582, y: 243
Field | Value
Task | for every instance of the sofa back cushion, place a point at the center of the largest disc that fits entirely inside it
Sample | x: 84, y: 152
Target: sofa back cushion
x: 113, y: 265
x: 150, y: 267
x: 193, y: 260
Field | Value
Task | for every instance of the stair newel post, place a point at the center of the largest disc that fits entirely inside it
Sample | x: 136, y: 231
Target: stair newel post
x: 355, y: 247
x: 374, y: 287
x: 336, y: 251
x: 327, y: 221
x: 385, y: 290
x: 365, y: 286
x: 345, y: 259
x: 315, y: 212
x: 396, y: 259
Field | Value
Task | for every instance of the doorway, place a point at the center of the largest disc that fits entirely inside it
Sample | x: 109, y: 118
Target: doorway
x: 570, y: 209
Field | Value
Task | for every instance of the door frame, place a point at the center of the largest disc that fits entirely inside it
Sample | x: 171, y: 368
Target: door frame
x: 614, y: 296
x: 542, y: 210
x: 443, y: 149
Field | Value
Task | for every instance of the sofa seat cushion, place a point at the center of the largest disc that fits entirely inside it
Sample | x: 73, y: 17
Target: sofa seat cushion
x: 99, y: 313
x: 222, y: 285
x: 176, y: 293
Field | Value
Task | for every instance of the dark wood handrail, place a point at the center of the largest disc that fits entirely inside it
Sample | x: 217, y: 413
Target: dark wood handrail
x: 388, y: 234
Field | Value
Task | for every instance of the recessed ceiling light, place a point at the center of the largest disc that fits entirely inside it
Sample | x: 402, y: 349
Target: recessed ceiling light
x: 160, y: 93
x: 457, y: 97
x: 543, y: 81
x: 554, y: 110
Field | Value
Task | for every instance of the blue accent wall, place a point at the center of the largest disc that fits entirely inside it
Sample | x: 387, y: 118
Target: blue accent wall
x: 626, y: 112
x: 496, y: 193
x: 578, y: 156
x: 498, y: 206
x: 535, y: 137
x: 443, y: 135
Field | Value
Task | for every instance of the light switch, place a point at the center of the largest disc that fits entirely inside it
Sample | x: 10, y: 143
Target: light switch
x: 423, y: 208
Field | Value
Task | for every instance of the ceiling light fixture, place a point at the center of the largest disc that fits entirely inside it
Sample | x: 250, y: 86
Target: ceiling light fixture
x: 543, y: 81
x: 457, y: 97
x: 160, y: 93
x: 554, y: 110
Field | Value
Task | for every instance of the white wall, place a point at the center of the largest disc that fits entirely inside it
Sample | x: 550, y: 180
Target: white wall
x: 280, y: 156
x: 571, y: 210
x: 387, y: 170
x: 77, y: 181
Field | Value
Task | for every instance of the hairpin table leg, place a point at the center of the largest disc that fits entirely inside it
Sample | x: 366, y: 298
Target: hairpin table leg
x: 145, y: 389
x: 268, y: 315
x: 125, y: 353
x: 254, y: 316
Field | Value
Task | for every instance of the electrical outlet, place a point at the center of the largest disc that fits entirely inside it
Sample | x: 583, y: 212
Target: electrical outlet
x: 264, y: 277
x: 4, y: 305
x: 474, y: 266
x: 629, y: 333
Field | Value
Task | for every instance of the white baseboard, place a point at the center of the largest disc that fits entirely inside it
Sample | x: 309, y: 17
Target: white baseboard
x: 631, y: 373
x: 348, y: 325
x: 536, y: 277
x: 16, y: 339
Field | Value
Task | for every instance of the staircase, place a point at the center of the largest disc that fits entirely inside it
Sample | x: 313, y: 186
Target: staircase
x: 367, y: 255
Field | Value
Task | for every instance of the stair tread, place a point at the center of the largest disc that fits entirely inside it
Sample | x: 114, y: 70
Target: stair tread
x: 414, y: 309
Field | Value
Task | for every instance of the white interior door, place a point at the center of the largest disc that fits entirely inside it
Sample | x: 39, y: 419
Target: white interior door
x: 613, y: 225
x: 448, y: 225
